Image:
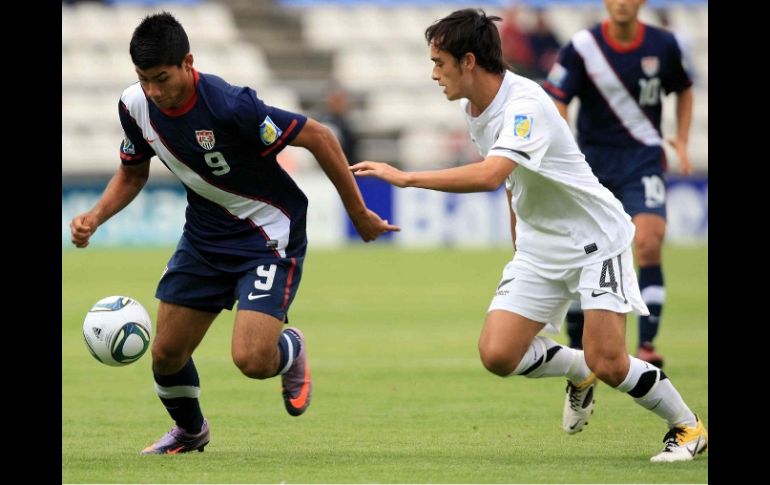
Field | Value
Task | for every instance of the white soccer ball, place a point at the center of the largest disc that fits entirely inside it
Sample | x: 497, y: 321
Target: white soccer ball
x: 117, y: 330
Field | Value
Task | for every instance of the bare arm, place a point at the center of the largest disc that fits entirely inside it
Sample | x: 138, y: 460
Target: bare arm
x: 120, y: 191
x: 684, y: 102
x: 327, y: 151
x: 562, y: 109
x: 513, y: 218
x: 483, y: 176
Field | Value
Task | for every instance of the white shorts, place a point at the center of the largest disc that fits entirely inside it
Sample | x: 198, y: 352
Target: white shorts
x: 545, y: 295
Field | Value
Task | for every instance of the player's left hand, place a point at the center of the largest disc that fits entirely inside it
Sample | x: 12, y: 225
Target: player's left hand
x: 370, y: 226
x: 380, y: 170
x: 685, y: 167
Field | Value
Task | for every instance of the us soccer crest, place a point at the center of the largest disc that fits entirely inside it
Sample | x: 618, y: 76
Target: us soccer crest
x: 650, y: 65
x: 205, y: 139
x: 522, y: 126
x: 269, y: 131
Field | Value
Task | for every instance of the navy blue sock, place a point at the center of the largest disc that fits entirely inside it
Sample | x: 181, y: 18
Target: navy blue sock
x: 179, y: 393
x: 575, y: 328
x: 654, y: 295
x: 289, y: 346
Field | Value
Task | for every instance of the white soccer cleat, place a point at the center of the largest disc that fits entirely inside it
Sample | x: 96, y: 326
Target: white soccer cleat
x: 683, y: 443
x: 578, y: 405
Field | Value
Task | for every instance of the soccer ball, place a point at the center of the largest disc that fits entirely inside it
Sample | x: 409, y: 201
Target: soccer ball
x: 117, y: 330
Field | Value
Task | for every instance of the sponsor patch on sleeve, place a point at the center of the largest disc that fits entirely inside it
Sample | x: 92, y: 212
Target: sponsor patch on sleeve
x: 128, y: 146
x: 269, y: 131
x: 522, y: 126
x: 557, y: 74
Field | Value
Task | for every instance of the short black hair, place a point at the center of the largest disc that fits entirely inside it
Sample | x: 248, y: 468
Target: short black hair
x: 159, y: 40
x: 469, y: 30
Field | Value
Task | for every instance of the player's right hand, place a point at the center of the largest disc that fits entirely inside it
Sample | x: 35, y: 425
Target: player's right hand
x: 82, y: 227
x: 371, y: 226
x: 685, y: 166
x: 380, y: 170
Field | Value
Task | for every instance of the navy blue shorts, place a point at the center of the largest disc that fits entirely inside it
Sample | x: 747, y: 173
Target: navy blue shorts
x: 633, y: 175
x: 212, y: 282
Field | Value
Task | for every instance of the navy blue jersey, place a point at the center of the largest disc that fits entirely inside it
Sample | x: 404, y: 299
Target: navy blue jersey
x: 222, y: 145
x: 619, y: 86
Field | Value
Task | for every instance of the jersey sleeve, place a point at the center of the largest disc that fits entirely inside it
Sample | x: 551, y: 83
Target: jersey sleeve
x: 134, y: 149
x: 269, y: 128
x: 525, y: 136
x: 566, y: 77
x: 676, y: 78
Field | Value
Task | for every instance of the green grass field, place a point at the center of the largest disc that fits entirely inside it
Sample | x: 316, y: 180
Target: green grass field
x: 399, y: 393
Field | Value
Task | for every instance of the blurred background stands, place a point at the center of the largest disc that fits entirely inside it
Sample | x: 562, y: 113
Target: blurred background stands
x: 293, y: 52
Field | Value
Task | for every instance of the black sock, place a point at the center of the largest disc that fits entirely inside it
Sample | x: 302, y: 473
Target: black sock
x: 654, y: 294
x: 288, y: 339
x: 575, y: 328
x: 179, y: 393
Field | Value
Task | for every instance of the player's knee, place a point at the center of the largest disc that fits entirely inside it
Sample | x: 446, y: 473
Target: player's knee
x: 167, y: 361
x: 252, y: 366
x: 610, y: 370
x: 647, y: 249
x: 497, y: 360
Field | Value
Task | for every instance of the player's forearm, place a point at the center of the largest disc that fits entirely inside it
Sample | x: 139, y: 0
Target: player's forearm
x: 331, y: 158
x: 458, y: 179
x: 513, y: 218
x: 483, y: 176
x: 684, y: 104
x: 122, y: 188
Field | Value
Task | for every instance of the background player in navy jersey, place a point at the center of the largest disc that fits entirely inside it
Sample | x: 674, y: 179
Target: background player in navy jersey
x: 618, y: 69
x: 244, y: 236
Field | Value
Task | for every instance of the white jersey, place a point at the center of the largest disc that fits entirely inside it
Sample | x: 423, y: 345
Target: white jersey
x: 564, y: 217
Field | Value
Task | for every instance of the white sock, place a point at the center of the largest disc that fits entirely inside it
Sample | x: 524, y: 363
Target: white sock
x: 546, y: 358
x: 653, y: 390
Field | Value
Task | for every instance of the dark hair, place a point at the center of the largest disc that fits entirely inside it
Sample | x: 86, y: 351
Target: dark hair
x: 469, y: 30
x: 160, y: 40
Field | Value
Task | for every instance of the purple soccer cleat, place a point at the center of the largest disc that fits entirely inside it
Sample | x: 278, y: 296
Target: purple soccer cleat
x: 297, y: 387
x: 179, y: 441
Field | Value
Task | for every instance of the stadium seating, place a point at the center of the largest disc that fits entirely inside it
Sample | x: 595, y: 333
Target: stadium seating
x: 378, y: 54
x: 96, y: 67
